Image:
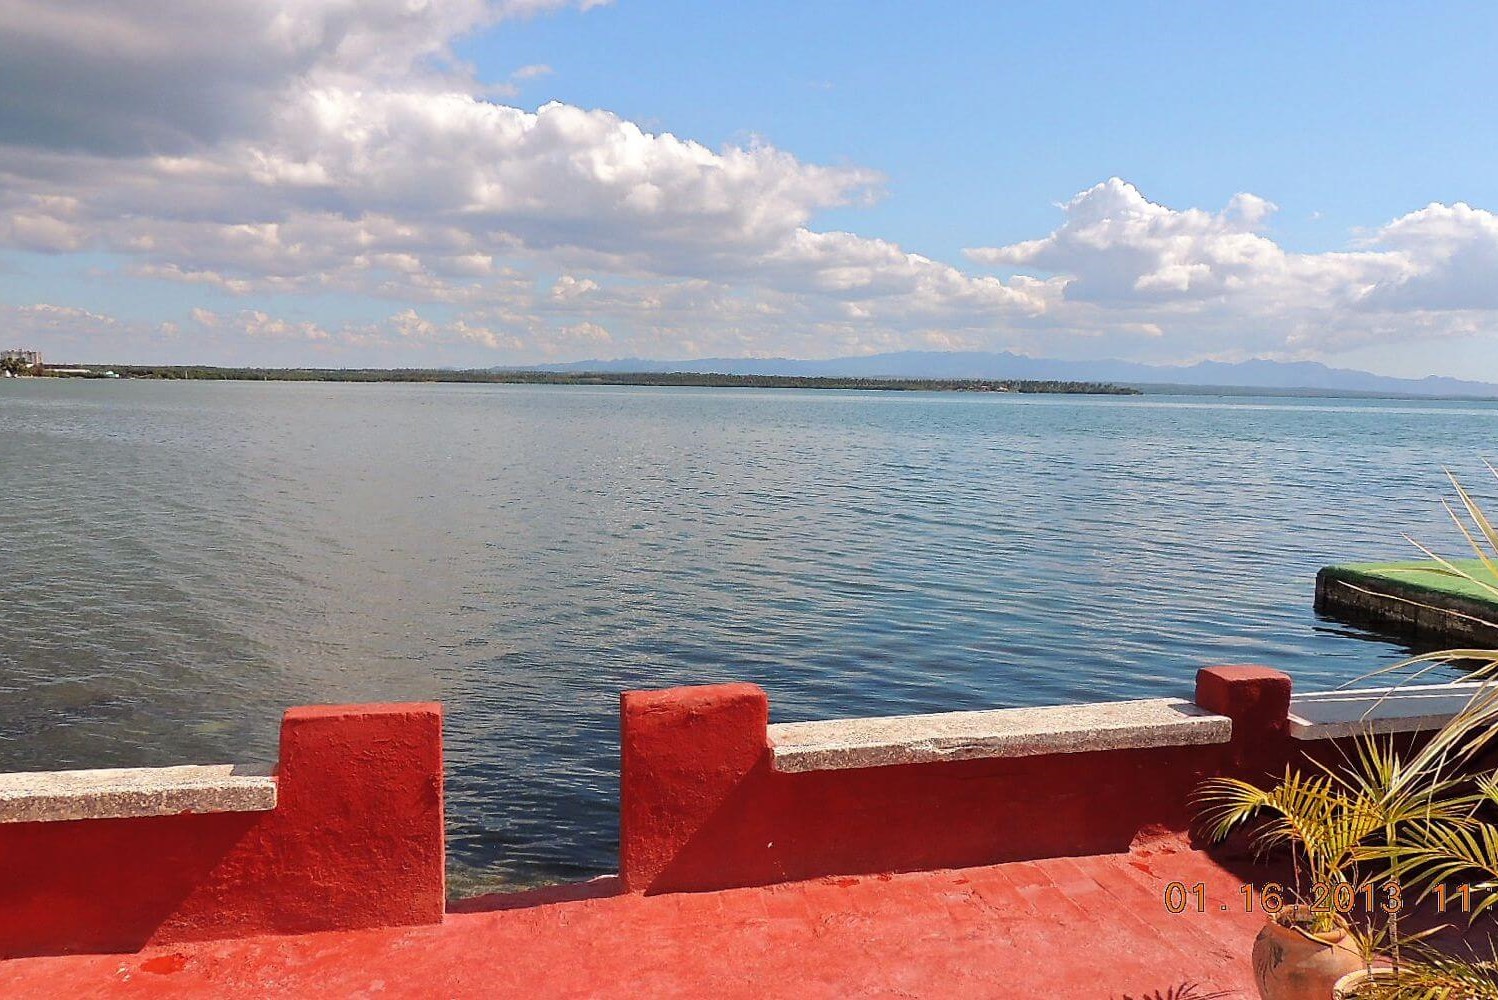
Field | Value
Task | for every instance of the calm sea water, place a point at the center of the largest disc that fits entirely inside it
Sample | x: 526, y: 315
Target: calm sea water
x: 179, y: 562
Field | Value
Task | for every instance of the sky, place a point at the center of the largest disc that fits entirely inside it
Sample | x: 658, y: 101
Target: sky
x: 424, y: 183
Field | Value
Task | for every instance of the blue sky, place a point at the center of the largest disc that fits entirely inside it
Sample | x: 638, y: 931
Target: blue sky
x: 983, y: 116
x: 472, y: 183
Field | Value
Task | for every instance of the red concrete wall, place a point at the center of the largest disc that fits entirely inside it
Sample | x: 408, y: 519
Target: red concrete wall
x: 356, y: 840
x: 1257, y: 699
x: 701, y: 806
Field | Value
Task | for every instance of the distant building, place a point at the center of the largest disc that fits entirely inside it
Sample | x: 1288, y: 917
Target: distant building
x: 29, y: 358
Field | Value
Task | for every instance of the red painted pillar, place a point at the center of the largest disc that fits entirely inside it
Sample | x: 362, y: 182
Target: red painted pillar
x: 684, y: 753
x: 355, y: 840
x: 362, y: 785
x: 1257, y: 699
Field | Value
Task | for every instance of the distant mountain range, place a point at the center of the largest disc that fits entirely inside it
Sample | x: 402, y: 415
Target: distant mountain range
x: 1272, y: 376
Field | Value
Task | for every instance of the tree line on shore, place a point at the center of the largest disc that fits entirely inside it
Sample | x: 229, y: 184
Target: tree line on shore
x: 700, y: 379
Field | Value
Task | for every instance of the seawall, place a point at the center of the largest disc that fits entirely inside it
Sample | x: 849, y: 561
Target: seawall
x: 347, y: 831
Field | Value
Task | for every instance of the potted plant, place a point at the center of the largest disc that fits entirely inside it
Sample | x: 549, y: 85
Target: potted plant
x: 1359, y: 834
x: 1427, y: 975
x: 1303, y: 949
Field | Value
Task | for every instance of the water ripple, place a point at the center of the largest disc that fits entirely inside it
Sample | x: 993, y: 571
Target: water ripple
x: 194, y: 557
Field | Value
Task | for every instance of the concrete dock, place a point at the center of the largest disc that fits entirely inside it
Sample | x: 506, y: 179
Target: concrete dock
x: 1422, y: 600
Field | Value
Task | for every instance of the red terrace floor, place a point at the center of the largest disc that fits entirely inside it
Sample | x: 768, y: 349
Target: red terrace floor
x: 1093, y: 927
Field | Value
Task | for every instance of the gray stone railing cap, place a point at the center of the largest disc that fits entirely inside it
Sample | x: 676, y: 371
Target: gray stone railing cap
x: 1008, y: 732
x: 123, y: 793
x: 1407, y: 708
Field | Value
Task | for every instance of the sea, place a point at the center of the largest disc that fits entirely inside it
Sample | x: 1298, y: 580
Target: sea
x: 181, y: 561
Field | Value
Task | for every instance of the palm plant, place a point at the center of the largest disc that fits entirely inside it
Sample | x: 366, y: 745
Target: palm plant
x: 1434, y: 975
x: 1345, y: 824
x: 1462, y: 842
x: 1459, y: 851
x: 1305, y: 813
x: 1420, y: 819
x: 1484, y: 531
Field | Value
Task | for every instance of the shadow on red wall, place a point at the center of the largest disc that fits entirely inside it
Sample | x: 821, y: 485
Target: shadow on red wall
x: 356, y: 840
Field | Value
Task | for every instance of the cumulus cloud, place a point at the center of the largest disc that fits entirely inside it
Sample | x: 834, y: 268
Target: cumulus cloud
x: 357, y: 149
x: 280, y: 152
x: 1122, y: 261
x: 65, y: 333
x: 1117, y: 248
x: 171, y: 75
x: 43, y: 314
x: 587, y: 332
x: 570, y: 289
x: 558, y: 178
x: 1450, y: 253
x: 44, y: 224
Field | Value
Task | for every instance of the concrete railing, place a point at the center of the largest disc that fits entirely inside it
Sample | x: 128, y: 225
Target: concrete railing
x: 132, y: 792
x: 347, y: 833
x: 1011, y: 732
x: 713, y: 796
x: 1413, y: 708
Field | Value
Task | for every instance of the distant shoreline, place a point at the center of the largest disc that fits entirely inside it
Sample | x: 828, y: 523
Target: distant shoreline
x: 667, y: 379
x: 734, y: 381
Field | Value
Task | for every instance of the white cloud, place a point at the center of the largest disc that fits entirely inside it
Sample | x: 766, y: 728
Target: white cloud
x: 1451, y: 260
x: 257, y: 324
x: 1116, y: 246
x: 367, y: 167
x: 590, y: 333
x: 43, y: 314
x: 1207, y: 282
x: 292, y: 150
x: 170, y: 75
x: 570, y: 289
x: 65, y: 333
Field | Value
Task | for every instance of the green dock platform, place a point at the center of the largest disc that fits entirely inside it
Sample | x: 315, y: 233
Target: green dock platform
x: 1420, y: 599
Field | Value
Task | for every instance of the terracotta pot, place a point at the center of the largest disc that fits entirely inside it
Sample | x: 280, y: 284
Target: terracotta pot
x: 1291, y: 963
x: 1347, y: 987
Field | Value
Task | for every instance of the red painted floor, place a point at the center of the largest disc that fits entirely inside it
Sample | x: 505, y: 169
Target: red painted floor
x: 1094, y: 927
